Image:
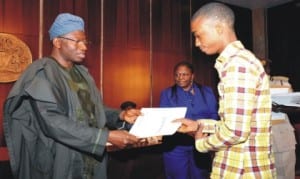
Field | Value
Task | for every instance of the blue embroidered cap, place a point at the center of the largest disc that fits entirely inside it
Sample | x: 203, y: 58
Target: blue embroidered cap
x: 65, y: 23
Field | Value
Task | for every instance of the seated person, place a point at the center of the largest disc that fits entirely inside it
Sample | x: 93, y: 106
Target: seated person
x: 135, y: 163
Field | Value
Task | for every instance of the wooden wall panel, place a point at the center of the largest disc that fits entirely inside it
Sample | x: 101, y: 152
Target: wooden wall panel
x: 1, y: 14
x: 171, y: 26
x: 92, y: 16
x: 115, y: 23
x: 139, y: 24
x: 19, y: 18
x: 171, y: 41
x: 126, y: 76
x: 50, y: 11
x: 126, y: 57
x: 16, y: 15
x: 205, y: 71
x: 4, y: 88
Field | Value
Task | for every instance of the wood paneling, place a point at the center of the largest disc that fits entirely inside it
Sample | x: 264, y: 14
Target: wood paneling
x: 126, y: 76
x: 259, y: 33
x: 133, y: 69
x: 19, y: 18
x: 171, y: 42
x: 1, y: 14
x: 15, y: 15
x: 126, y: 53
x: 171, y: 26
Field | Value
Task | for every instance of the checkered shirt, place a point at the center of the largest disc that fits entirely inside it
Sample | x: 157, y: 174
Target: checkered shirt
x: 243, y: 140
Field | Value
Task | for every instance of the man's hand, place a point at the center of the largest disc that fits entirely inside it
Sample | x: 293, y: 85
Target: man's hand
x: 199, y: 134
x: 191, y: 127
x: 187, y: 125
x: 130, y: 115
x: 122, y: 138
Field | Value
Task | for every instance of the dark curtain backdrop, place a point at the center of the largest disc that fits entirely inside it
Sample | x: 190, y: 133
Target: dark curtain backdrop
x: 284, y: 38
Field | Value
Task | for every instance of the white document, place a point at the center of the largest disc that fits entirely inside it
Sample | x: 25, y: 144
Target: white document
x: 157, y: 121
x: 288, y: 99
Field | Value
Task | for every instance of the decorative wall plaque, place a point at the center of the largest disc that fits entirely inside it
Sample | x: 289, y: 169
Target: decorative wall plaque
x: 15, y: 56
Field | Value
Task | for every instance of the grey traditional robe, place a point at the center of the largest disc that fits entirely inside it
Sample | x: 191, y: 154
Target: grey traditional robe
x: 44, y: 136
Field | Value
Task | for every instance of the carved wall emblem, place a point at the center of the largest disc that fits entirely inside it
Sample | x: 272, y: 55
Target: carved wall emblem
x: 15, y: 56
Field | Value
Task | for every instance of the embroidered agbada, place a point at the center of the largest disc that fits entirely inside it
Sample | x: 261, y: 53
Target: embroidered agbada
x: 243, y: 141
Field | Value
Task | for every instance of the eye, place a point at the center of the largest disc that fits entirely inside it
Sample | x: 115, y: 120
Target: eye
x: 181, y: 74
x: 85, y: 42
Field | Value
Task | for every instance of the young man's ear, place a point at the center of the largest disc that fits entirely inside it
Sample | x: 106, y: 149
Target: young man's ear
x: 219, y: 27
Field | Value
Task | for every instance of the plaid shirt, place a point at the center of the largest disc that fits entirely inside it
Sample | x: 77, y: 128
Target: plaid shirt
x: 242, y: 143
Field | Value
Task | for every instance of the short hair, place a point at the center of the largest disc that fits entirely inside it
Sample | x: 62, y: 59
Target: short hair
x: 215, y: 11
x: 127, y: 105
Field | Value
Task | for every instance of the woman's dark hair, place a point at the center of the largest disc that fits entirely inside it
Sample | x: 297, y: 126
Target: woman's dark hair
x: 184, y: 63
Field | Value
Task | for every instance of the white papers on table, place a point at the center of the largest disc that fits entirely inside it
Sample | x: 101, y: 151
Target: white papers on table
x: 279, y: 91
x: 278, y: 116
x: 157, y: 121
x: 288, y: 99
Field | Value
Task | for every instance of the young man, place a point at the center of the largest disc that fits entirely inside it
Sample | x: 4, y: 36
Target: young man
x: 54, y: 119
x: 242, y: 140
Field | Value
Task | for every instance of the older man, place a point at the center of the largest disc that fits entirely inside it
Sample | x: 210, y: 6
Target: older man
x: 54, y: 120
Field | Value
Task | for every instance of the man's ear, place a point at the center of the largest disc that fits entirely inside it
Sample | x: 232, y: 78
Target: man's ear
x: 219, y: 27
x: 56, y: 42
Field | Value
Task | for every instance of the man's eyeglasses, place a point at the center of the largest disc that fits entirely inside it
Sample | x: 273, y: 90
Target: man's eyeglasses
x: 85, y: 42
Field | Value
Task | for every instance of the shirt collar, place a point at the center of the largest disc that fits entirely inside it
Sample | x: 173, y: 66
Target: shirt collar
x: 229, y: 50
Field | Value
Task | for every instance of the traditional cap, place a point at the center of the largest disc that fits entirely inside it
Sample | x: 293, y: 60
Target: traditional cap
x: 65, y: 23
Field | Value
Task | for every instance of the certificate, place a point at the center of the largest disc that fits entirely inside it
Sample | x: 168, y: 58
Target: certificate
x: 157, y: 121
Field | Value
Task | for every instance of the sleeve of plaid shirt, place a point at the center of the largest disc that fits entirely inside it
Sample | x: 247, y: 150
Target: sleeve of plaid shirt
x: 237, y: 90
